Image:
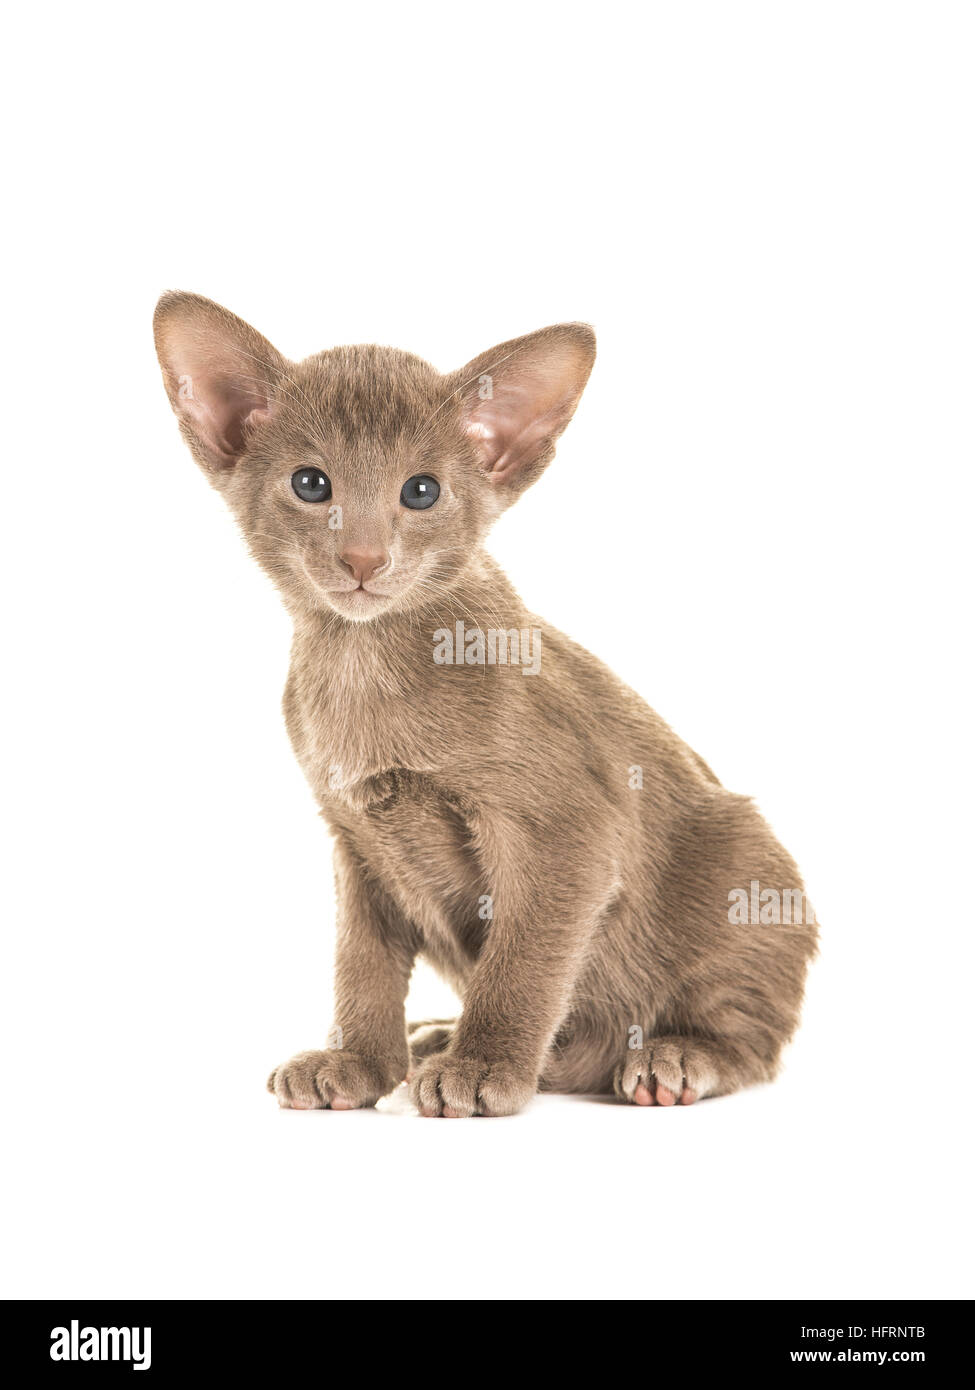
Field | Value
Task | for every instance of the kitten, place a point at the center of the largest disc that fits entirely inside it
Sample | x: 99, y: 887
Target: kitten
x: 530, y: 827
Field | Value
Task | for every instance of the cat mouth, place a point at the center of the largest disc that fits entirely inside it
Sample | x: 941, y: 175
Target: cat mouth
x: 359, y: 600
x: 354, y: 601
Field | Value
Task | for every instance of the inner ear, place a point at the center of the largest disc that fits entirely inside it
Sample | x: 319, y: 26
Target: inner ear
x: 518, y: 398
x: 220, y: 375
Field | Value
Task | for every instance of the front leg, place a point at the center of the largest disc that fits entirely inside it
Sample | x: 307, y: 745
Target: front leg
x: 544, y: 915
x: 375, y: 951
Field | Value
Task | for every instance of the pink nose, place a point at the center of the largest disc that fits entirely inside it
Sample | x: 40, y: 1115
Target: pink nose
x: 363, y: 563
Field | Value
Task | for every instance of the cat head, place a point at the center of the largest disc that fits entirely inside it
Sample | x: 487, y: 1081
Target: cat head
x: 362, y: 478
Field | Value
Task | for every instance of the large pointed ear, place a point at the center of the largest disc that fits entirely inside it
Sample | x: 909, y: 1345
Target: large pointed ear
x: 518, y: 398
x: 220, y: 376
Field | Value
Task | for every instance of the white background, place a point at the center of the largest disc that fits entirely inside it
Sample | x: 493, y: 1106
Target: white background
x: 760, y: 517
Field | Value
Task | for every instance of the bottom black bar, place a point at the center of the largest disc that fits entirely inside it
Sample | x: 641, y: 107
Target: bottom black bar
x: 164, y: 1340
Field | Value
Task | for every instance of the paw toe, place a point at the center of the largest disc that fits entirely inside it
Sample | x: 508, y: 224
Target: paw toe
x: 667, y: 1071
x: 458, y: 1088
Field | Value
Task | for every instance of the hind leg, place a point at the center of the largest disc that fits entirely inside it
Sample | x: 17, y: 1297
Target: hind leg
x: 428, y: 1038
x: 675, y: 1070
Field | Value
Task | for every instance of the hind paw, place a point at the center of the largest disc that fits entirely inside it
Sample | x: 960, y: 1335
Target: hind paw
x: 665, y: 1071
x: 427, y: 1039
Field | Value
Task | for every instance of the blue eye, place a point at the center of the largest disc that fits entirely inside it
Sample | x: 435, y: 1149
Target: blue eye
x: 420, y: 492
x: 311, y: 485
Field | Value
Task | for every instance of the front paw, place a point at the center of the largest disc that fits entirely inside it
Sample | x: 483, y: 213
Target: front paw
x: 331, y: 1081
x: 457, y: 1087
